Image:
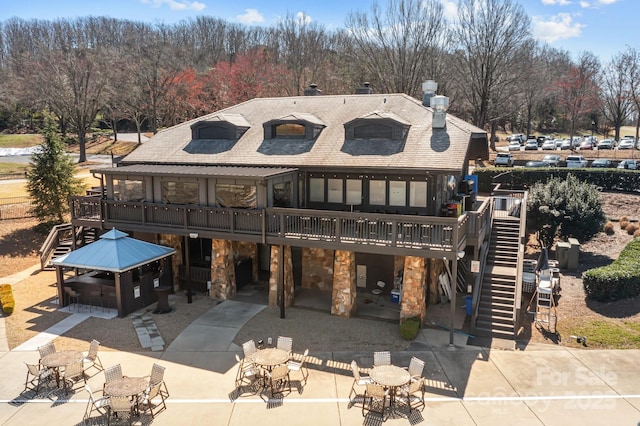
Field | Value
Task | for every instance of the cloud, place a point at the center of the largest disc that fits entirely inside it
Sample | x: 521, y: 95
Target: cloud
x: 303, y: 18
x: 558, y: 27
x: 450, y: 10
x: 556, y: 2
x: 607, y: 1
x: 585, y: 4
x: 177, y: 4
x: 250, y: 16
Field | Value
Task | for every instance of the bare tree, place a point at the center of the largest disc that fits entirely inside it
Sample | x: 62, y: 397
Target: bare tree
x: 617, y: 101
x: 633, y: 72
x: 487, y: 39
x: 398, y: 47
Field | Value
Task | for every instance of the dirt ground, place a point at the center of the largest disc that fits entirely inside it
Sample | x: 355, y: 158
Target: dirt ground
x: 36, y: 310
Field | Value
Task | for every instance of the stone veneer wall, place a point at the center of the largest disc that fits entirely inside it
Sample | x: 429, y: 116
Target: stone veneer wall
x: 288, y: 277
x: 174, y: 241
x: 413, y: 289
x: 317, y: 268
x: 246, y: 250
x: 343, y: 300
x: 223, y: 273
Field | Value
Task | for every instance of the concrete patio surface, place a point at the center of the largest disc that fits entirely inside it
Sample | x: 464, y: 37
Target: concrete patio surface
x: 465, y: 385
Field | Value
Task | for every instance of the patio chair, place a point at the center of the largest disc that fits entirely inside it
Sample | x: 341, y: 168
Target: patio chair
x: 152, y: 392
x: 36, y: 377
x: 249, y: 348
x: 157, y: 378
x: 92, y: 356
x: 72, y: 374
x: 247, y: 375
x: 374, y: 400
x: 284, y: 343
x: 358, y: 379
x: 294, y: 365
x: 101, y: 404
x: 414, y: 393
x: 120, y: 406
x: 112, y: 373
x: 381, y: 358
x: 416, y: 366
x: 279, y: 380
x: 46, y: 349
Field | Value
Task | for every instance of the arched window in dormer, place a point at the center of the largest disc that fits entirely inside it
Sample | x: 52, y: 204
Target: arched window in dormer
x: 377, y: 126
x: 373, y: 131
x: 289, y: 130
x: 213, y: 132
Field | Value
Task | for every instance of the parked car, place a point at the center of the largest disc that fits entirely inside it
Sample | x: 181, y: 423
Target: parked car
x: 605, y: 144
x: 566, y: 144
x: 535, y: 163
x: 514, y: 145
x: 628, y: 164
x: 552, y: 160
x: 602, y: 163
x: 558, y: 143
x: 576, y: 161
x: 548, y: 144
x: 504, y: 159
x: 626, y: 144
x: 542, y: 139
x: 531, y: 145
x: 586, y: 144
x: 517, y: 137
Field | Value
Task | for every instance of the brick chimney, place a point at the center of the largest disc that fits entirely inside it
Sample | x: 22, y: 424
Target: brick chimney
x: 312, y: 90
x: 365, y: 89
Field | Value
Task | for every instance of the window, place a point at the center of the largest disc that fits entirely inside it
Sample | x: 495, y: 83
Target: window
x: 282, y: 195
x: 128, y: 190
x: 354, y: 192
x: 316, y: 190
x: 378, y: 192
x: 231, y: 195
x: 213, y: 132
x: 289, y: 130
x: 175, y: 192
x: 334, y: 187
x: 398, y: 193
x: 418, y: 194
x: 373, y: 131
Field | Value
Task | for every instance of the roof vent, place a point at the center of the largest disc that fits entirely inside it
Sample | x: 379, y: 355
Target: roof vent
x: 439, y: 104
x: 429, y: 88
x: 312, y: 90
x: 365, y: 89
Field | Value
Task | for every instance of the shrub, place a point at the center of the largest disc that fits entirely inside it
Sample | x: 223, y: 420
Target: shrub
x: 624, y: 223
x: 410, y: 328
x: 624, y: 219
x: 619, y: 280
x: 631, y: 228
x: 637, y: 233
x: 608, y: 228
x: 6, y: 299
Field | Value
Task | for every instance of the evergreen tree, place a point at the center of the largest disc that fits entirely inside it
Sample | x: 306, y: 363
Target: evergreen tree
x: 564, y: 208
x: 50, y: 179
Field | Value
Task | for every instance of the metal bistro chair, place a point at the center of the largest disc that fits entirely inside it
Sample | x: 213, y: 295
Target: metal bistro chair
x: 72, y: 374
x: 39, y: 376
x: 118, y: 406
x: 249, y: 348
x: 279, y: 380
x: 375, y: 400
x: 284, y: 343
x: 248, y: 374
x: 101, y: 404
x: 414, y: 393
x: 46, y: 349
x: 381, y: 358
x: 92, y: 356
x: 112, y: 373
x: 294, y: 365
x: 416, y: 367
x: 71, y: 296
x: 157, y: 378
x: 358, y: 379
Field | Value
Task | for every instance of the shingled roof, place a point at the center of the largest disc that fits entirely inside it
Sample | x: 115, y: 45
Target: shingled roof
x: 423, y: 148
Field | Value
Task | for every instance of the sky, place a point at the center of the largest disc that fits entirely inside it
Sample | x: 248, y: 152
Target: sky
x: 603, y: 27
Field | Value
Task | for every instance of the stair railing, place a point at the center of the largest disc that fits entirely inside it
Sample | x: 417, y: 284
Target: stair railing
x: 52, y: 242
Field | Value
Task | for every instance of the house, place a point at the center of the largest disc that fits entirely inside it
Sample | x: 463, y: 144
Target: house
x: 331, y: 192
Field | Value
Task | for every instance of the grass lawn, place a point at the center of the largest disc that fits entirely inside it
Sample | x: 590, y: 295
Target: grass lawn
x: 12, y: 168
x: 609, y: 333
x: 20, y: 141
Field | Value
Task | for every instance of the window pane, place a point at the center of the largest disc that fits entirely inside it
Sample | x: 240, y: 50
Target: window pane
x: 241, y: 196
x: 334, y: 187
x: 354, y: 192
x: 282, y: 195
x: 378, y: 192
x: 397, y: 193
x: 128, y: 190
x: 418, y: 194
x: 290, y: 129
x: 316, y: 190
x: 179, y: 192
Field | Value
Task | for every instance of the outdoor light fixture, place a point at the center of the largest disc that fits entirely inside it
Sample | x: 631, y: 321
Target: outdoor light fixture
x: 193, y: 235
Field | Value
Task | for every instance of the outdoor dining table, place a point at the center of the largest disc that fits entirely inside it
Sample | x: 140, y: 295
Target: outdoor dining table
x: 130, y: 387
x: 59, y: 360
x: 391, y: 377
x: 270, y: 357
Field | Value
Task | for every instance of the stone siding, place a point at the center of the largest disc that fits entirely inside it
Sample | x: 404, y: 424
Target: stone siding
x: 223, y: 274
x: 343, y: 300
x: 175, y: 242
x: 317, y: 268
x: 413, y: 289
x: 288, y: 277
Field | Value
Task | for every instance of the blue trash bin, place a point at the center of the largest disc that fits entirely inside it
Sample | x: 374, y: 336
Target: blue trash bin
x: 467, y: 304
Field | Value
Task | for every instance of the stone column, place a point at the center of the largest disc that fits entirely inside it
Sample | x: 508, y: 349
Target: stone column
x: 288, y: 277
x: 174, y: 241
x: 223, y: 273
x: 343, y: 300
x: 413, y: 289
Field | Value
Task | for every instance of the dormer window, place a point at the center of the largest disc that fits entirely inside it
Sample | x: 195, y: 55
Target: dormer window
x: 377, y: 126
x: 294, y: 126
x: 222, y: 126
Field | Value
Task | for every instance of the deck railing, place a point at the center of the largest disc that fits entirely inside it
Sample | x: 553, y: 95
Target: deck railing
x: 279, y: 225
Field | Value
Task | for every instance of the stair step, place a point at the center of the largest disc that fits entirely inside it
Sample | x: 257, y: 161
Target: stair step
x: 496, y: 326
x: 495, y: 313
x: 480, y: 331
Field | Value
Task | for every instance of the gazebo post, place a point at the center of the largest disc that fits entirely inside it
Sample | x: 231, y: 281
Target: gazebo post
x: 60, y: 281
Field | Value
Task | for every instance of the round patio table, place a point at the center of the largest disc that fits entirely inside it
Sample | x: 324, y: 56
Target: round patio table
x: 270, y: 357
x: 61, y: 359
x: 126, y: 386
x: 390, y: 376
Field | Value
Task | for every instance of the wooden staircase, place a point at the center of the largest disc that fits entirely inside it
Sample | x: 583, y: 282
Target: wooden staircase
x: 60, y: 242
x: 497, y: 309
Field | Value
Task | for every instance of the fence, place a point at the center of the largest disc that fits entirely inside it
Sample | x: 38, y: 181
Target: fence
x: 15, y: 208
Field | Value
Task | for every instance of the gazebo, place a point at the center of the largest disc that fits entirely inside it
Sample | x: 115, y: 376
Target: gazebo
x: 118, y: 268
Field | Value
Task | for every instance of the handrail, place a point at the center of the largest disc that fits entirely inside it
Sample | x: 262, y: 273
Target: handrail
x: 51, y: 243
x: 484, y: 252
x: 521, y: 248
